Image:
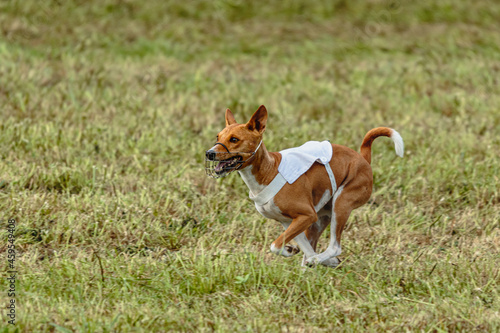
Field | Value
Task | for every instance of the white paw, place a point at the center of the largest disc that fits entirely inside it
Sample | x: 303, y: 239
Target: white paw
x: 312, y: 261
x: 286, y: 251
x: 318, y: 260
x: 331, y: 262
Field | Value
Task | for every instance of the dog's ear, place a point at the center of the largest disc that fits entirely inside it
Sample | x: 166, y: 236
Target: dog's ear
x: 229, y: 118
x: 258, y: 120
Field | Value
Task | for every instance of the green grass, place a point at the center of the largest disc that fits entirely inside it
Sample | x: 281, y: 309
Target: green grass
x: 108, y: 107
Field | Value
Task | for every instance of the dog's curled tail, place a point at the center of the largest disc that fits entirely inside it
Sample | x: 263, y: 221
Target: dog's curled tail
x: 366, y: 146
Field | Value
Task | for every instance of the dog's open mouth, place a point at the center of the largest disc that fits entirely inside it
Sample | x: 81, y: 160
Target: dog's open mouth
x: 221, y: 168
x: 227, y: 165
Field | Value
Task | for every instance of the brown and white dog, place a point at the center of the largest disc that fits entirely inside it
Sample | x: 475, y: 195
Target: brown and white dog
x: 316, y: 199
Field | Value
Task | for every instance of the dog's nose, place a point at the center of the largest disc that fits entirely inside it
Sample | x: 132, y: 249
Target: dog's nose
x: 210, y: 154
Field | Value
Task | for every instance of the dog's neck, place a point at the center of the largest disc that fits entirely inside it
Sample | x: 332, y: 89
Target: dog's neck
x: 261, y: 171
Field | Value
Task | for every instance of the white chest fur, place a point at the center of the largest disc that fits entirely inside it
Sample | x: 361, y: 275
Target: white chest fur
x: 250, y: 180
x: 271, y: 211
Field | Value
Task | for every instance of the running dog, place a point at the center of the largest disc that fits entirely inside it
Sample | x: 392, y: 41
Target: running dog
x: 305, y: 188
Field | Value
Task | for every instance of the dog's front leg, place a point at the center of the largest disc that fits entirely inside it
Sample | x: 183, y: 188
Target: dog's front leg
x: 329, y: 256
x: 313, y: 233
x: 288, y: 249
x: 294, y: 231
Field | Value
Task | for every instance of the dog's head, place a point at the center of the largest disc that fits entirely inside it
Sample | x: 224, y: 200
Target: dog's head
x: 236, y: 144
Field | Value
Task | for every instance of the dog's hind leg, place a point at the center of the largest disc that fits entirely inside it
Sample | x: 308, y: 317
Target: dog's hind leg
x: 347, y: 198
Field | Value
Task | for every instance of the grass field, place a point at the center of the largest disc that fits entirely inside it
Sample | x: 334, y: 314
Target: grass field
x: 108, y: 106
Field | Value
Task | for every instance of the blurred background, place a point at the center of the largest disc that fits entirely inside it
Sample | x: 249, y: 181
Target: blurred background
x: 108, y: 106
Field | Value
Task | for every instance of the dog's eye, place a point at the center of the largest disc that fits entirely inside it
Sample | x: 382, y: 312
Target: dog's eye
x: 233, y: 140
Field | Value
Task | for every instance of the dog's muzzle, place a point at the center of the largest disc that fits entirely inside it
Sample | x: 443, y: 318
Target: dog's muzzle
x: 217, y: 168
x: 218, y: 165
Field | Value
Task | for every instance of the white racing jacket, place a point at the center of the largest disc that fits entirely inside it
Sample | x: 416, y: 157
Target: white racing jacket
x: 294, y: 163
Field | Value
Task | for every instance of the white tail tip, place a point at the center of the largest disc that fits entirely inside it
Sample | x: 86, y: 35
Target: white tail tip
x: 398, y: 143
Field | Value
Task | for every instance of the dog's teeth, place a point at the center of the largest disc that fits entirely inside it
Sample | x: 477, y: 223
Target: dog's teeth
x: 225, y: 165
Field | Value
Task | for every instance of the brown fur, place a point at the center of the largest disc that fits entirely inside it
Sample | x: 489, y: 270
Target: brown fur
x: 366, y: 146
